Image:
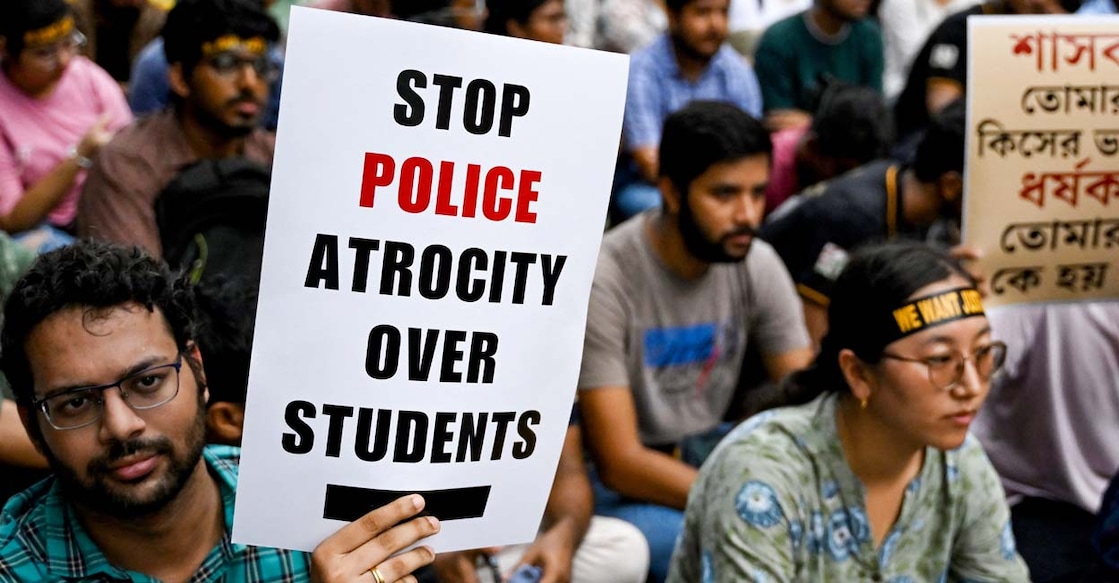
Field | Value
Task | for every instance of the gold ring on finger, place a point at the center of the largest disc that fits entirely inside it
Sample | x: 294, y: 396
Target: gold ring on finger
x: 377, y: 576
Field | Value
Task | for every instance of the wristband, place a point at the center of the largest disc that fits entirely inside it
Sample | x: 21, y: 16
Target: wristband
x: 81, y: 161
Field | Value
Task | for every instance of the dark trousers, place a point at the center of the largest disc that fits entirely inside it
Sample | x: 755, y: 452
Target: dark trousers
x: 1054, y: 539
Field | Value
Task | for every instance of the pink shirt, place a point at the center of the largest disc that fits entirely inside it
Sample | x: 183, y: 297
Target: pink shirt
x: 35, y: 134
x: 783, y: 175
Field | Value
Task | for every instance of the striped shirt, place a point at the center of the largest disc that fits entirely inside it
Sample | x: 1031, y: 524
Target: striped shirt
x: 41, y: 540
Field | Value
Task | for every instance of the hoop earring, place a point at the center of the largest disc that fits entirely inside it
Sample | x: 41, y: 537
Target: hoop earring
x: 862, y: 403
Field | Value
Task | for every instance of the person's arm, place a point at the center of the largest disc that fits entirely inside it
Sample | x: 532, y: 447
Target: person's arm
x: 16, y: 447
x: 647, y: 162
x: 37, y: 201
x: 743, y: 520
x: 641, y: 127
x: 567, y: 515
x: 984, y: 548
x: 940, y: 93
x: 816, y: 320
x: 781, y: 364
x: 372, y: 541
x: 622, y: 460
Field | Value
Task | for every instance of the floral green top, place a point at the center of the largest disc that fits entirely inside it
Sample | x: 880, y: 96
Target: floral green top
x: 777, y: 501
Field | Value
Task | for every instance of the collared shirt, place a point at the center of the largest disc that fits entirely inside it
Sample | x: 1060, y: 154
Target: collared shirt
x: 657, y: 88
x: 42, y: 540
x: 118, y: 201
x: 777, y: 501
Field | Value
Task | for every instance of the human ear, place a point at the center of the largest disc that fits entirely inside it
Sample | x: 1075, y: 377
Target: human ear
x: 857, y: 374
x: 951, y: 186
x: 225, y: 422
x: 178, y: 81
x: 670, y: 195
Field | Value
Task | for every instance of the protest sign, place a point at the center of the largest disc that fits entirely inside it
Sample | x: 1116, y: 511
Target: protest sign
x: 437, y: 204
x: 1042, y: 174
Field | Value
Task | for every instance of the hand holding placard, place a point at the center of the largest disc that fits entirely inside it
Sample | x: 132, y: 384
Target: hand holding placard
x: 371, y: 541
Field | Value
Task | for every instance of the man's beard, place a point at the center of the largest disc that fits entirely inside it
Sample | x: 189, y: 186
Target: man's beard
x: 95, y: 493
x: 688, y: 51
x: 220, y: 127
x: 702, y: 248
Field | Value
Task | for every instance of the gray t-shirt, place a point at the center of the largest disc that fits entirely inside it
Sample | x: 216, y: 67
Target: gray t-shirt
x: 678, y: 344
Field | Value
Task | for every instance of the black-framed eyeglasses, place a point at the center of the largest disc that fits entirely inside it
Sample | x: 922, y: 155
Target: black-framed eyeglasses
x: 946, y: 370
x: 146, y: 389
x: 230, y: 64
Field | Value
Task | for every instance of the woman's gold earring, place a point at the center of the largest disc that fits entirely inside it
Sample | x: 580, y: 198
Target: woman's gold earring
x: 862, y: 403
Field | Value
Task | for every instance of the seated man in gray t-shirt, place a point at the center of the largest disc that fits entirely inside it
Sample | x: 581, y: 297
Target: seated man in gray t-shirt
x: 678, y: 294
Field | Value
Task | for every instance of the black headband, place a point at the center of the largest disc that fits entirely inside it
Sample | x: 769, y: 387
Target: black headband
x: 929, y: 311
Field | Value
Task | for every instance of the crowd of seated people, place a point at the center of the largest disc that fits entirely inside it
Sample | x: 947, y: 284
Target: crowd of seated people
x: 789, y: 176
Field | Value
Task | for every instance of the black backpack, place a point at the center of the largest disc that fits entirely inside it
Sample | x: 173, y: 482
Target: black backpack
x: 211, y: 219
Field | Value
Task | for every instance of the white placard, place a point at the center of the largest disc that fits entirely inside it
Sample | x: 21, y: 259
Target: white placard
x: 451, y: 309
x: 1042, y: 173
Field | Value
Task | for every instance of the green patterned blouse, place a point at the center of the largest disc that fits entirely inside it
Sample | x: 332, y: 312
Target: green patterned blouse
x: 777, y: 501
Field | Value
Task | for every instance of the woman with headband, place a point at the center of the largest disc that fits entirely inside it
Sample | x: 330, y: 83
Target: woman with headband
x: 875, y: 479
x: 57, y: 109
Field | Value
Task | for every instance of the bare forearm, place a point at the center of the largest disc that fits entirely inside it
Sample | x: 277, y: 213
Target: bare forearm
x: 650, y: 475
x: 38, y: 200
x: 570, y: 507
x: 647, y: 163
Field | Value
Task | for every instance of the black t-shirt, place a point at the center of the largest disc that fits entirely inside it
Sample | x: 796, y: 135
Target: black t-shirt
x: 815, y: 231
x: 943, y: 58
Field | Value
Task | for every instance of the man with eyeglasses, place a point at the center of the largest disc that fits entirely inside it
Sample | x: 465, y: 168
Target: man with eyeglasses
x: 220, y: 71
x: 98, y: 343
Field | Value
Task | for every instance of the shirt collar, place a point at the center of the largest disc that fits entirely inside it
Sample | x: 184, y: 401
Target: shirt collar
x: 71, y: 554
x: 666, y: 54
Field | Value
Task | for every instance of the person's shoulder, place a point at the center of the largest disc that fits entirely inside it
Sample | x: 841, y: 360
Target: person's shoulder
x: 762, y: 259
x: 779, y: 34
x: 225, y: 459
x: 772, y: 445
x: 651, y: 58
x: 626, y: 238
x: 866, y: 27
x: 22, y: 523
x: 261, y: 146
x: 142, y: 138
x: 793, y: 23
x: 866, y: 181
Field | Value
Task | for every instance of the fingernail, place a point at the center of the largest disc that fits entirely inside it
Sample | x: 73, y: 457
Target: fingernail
x: 417, y: 501
x: 434, y: 522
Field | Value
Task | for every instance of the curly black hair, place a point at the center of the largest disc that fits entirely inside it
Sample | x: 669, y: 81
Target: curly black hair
x: 94, y: 275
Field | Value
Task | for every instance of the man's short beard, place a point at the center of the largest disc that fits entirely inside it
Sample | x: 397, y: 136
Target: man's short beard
x: 688, y: 51
x: 698, y: 245
x: 95, y: 496
x: 219, y: 127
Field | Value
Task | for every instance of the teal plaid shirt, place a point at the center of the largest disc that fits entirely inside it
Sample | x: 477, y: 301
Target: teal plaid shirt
x: 41, y: 540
